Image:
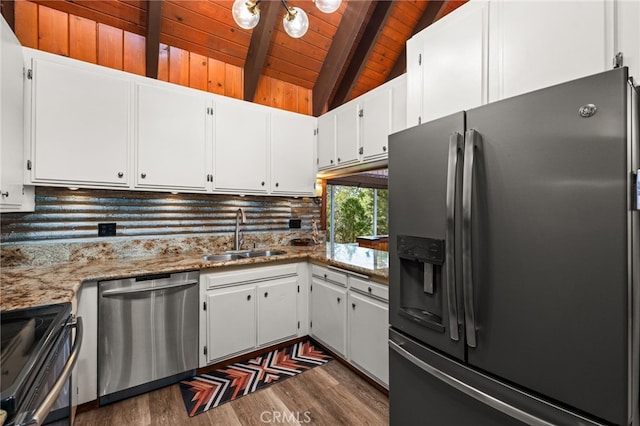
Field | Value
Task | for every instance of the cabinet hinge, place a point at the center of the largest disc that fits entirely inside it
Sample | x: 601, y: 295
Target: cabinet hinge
x: 310, y: 324
x: 29, y: 74
x: 419, y: 120
x: 299, y: 286
x: 361, y: 150
x: 317, y: 161
x: 298, y: 324
x: 204, y: 306
x: 311, y: 288
x: 205, y: 349
x: 28, y: 164
x: 420, y: 59
x: 315, y: 132
x: 617, y: 60
x: 361, y: 113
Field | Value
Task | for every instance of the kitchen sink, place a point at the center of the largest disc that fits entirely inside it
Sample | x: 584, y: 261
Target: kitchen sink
x: 262, y: 253
x: 223, y: 257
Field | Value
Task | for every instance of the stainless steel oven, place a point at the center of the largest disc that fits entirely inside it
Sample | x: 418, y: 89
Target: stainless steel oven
x: 38, y: 353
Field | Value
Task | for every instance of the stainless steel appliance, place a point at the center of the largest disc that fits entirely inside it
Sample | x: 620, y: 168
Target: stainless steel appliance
x: 37, y: 357
x: 514, y: 261
x: 148, y: 333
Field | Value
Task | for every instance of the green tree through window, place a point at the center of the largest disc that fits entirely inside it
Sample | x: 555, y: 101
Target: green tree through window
x: 356, y: 210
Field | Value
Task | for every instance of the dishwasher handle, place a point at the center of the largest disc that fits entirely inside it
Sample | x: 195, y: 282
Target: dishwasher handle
x: 114, y: 293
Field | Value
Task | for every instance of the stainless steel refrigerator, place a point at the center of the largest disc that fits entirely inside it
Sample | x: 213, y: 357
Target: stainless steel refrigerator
x: 514, y: 261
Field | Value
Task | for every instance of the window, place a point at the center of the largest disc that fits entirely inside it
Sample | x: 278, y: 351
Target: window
x: 357, y: 206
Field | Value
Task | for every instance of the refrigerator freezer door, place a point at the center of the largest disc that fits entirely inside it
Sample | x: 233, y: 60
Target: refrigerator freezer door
x: 429, y: 388
x: 424, y: 167
x: 549, y: 244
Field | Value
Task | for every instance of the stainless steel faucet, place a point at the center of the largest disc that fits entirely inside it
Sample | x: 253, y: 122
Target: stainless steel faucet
x: 240, y: 218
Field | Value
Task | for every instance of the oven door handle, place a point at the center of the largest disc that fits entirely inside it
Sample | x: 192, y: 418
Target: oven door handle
x: 41, y: 412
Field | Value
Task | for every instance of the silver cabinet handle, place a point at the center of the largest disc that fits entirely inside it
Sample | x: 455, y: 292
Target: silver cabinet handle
x: 41, y: 412
x: 468, y: 390
x: 455, y: 148
x: 113, y: 293
x: 472, y: 140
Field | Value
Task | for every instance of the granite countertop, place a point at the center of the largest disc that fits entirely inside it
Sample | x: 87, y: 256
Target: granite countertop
x: 27, y: 286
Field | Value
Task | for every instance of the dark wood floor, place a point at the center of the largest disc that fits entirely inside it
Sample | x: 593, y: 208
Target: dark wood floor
x: 327, y: 395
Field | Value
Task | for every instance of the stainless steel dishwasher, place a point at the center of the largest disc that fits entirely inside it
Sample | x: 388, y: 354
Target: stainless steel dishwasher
x: 148, y: 333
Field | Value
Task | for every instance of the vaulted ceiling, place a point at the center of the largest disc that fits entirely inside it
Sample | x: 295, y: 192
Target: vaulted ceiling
x: 343, y: 55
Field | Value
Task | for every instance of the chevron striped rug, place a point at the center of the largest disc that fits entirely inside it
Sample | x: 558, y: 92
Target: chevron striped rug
x: 207, y: 391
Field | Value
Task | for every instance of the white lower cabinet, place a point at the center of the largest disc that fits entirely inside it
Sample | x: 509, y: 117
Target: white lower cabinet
x: 231, y: 321
x: 247, y: 308
x: 368, y: 335
x: 329, y: 314
x: 277, y: 315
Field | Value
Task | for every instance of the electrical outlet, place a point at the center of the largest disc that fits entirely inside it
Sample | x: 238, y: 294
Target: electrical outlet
x: 295, y: 223
x: 106, y: 229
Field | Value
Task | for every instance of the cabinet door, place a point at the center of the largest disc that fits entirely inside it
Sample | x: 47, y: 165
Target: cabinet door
x: 326, y: 141
x: 277, y: 310
x: 368, y: 335
x: 347, y: 133
x: 454, y: 69
x: 293, y: 160
x: 329, y: 315
x: 11, y: 120
x: 231, y: 321
x: 240, y: 156
x: 173, y: 135
x: 542, y: 43
x: 376, y: 123
x: 80, y: 124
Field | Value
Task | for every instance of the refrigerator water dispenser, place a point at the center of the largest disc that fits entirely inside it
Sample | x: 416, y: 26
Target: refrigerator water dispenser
x: 421, y: 289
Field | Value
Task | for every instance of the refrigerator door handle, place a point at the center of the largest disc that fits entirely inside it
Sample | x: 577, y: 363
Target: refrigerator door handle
x: 468, y: 390
x: 472, y: 140
x: 455, y: 147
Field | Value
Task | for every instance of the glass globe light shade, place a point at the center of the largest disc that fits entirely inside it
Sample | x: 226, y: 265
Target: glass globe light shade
x: 296, y: 22
x: 245, y: 13
x: 327, y: 6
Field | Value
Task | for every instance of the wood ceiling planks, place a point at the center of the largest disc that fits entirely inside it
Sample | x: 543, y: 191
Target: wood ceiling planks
x: 205, y: 30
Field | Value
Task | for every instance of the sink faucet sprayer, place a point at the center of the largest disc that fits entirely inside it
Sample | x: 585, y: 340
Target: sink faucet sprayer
x: 240, y: 218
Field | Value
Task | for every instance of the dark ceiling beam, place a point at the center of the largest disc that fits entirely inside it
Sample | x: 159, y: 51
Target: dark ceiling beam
x: 351, y: 25
x: 427, y: 18
x: 9, y: 13
x: 381, y: 12
x: 152, y: 50
x: 259, y: 47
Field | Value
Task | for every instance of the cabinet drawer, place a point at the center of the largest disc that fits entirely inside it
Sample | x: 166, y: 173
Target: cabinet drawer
x: 247, y: 275
x: 367, y: 287
x: 328, y: 274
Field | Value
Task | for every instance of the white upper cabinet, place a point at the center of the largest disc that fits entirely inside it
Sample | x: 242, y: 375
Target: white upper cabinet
x: 173, y: 137
x: 447, y: 65
x: 241, y: 147
x: 12, y: 124
x: 347, y: 133
x: 376, y: 123
x: 535, y: 44
x: 293, y: 159
x: 80, y: 123
x: 327, y: 140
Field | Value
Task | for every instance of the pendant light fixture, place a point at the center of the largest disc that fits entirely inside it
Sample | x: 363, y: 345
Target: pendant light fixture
x: 246, y: 13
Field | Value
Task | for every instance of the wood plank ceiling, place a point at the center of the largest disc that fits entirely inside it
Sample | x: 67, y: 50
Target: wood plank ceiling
x: 343, y: 55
